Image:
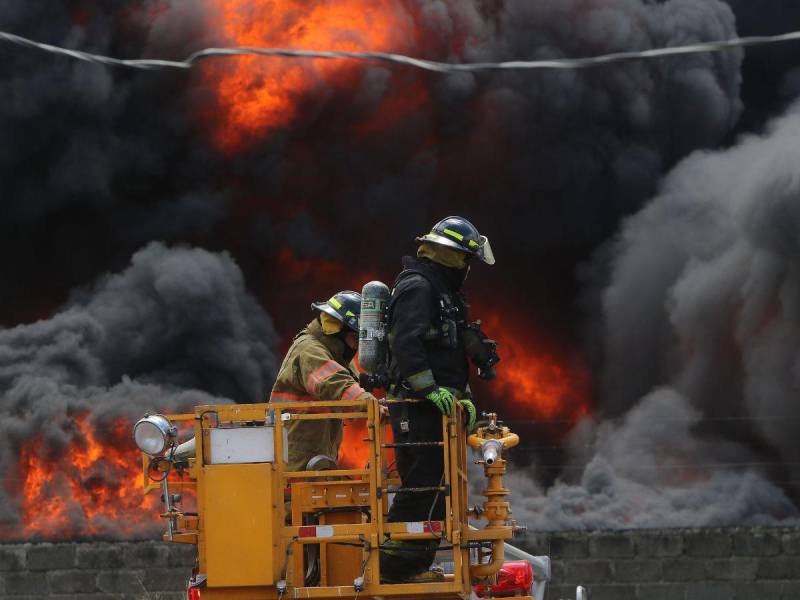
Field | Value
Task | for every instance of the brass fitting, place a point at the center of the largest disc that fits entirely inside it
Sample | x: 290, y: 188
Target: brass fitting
x: 491, y: 440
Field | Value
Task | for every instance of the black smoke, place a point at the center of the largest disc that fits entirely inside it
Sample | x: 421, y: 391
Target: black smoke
x: 97, y: 162
x: 771, y: 75
x: 175, y: 329
x: 100, y: 160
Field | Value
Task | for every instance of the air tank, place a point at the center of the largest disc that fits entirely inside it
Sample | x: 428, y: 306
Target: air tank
x: 372, y: 326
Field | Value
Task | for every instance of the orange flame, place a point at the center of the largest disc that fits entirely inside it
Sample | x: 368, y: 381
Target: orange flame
x: 257, y: 95
x: 533, y: 383
x: 354, y: 452
x: 89, y: 489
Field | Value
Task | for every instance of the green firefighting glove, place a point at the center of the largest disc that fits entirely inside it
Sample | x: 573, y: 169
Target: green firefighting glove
x: 443, y: 400
x: 472, y: 414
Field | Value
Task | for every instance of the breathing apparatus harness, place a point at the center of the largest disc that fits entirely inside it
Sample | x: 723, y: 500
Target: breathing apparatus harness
x: 451, y: 325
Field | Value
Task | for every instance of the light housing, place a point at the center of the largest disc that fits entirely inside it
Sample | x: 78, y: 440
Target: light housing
x: 514, y: 578
x: 196, y: 583
x: 154, y: 434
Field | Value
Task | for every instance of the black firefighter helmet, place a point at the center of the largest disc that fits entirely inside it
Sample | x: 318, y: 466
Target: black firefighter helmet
x: 460, y: 234
x: 343, y: 306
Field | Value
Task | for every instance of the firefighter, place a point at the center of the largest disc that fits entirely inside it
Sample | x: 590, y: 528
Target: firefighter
x: 428, y: 360
x: 317, y: 367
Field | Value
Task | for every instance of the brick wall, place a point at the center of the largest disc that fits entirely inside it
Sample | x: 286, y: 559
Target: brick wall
x: 708, y: 564
x: 705, y: 564
x: 94, y: 571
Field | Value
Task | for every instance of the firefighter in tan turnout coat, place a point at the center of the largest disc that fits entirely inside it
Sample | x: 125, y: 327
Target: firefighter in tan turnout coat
x: 317, y: 367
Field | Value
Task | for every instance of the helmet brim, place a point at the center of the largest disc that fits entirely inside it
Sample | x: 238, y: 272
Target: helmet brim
x: 327, y: 309
x: 483, y: 252
x: 350, y: 322
x: 442, y: 241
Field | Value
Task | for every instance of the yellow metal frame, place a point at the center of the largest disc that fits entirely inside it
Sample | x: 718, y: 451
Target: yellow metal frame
x: 283, y: 549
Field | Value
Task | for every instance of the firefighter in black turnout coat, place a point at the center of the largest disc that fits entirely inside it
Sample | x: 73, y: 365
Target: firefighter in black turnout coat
x: 430, y: 340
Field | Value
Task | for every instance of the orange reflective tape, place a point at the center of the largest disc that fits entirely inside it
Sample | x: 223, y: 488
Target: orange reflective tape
x: 289, y: 397
x: 329, y: 368
x: 354, y: 391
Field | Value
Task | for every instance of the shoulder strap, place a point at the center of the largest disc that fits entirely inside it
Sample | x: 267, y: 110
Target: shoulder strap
x: 423, y: 271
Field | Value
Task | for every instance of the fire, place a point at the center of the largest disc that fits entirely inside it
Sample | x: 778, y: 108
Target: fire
x: 533, y: 383
x: 295, y: 268
x: 303, y: 280
x: 354, y: 452
x: 257, y: 96
x: 90, y: 489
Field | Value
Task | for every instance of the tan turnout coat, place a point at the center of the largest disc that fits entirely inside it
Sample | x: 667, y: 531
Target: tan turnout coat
x: 315, y: 369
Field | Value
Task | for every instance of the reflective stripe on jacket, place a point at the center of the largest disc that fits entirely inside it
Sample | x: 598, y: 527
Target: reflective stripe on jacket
x: 315, y: 368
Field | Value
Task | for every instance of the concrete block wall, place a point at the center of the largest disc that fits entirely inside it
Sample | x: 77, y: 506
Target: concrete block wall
x: 674, y: 564
x: 95, y: 571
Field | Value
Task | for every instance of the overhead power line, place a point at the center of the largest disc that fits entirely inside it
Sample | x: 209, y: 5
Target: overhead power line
x: 703, y: 420
x: 428, y: 65
x: 679, y: 467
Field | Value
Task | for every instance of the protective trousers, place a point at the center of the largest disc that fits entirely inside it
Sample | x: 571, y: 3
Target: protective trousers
x: 308, y: 439
x: 420, y: 466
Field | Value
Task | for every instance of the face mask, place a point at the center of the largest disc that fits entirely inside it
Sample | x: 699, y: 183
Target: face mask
x: 442, y: 255
x: 329, y: 324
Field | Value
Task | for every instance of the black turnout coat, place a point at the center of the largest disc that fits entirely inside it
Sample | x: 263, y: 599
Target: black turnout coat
x: 419, y: 363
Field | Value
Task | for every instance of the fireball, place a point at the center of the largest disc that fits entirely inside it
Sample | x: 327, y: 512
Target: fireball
x: 257, y: 96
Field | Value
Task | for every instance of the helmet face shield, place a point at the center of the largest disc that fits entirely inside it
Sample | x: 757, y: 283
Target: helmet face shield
x: 485, y: 251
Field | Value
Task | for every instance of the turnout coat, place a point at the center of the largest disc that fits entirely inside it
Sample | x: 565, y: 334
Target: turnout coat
x: 316, y: 367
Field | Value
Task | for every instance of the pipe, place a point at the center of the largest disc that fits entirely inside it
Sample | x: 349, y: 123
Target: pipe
x: 490, y: 568
x: 509, y: 441
x: 185, y: 450
x: 491, y: 451
x: 496, y: 510
x: 171, y: 524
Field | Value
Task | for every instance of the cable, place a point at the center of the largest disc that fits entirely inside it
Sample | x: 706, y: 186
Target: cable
x: 441, y: 534
x: 156, y: 460
x: 643, y: 467
x: 427, y: 65
x: 665, y: 420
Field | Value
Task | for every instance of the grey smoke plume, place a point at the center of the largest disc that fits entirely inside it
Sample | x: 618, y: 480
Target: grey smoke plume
x: 652, y: 470
x: 175, y: 329
x: 702, y: 352
x: 704, y: 283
